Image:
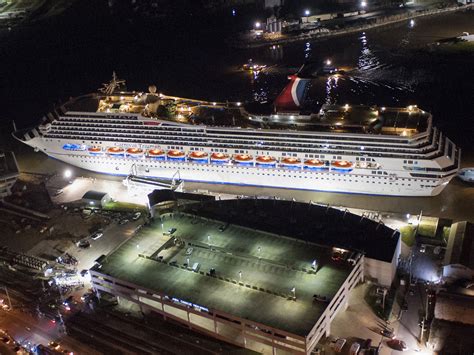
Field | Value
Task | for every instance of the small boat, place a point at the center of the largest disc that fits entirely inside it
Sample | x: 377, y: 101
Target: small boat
x: 342, y: 165
x: 466, y: 174
x: 176, y: 155
x: 314, y: 164
x: 219, y: 158
x: 157, y: 154
x: 265, y: 161
x: 292, y: 163
x: 95, y: 150
x: 134, y: 152
x: 250, y: 65
x: 198, y: 157
x: 244, y: 159
x: 115, y: 151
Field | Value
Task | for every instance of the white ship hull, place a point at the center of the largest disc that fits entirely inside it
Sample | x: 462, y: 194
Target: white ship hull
x: 338, y: 151
x: 355, y: 182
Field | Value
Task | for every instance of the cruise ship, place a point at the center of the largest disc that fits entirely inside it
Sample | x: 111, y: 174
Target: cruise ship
x: 340, y: 148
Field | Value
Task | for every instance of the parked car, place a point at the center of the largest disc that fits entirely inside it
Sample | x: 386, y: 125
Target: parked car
x: 96, y: 235
x: 354, y: 350
x: 53, y: 345
x: 397, y: 344
x: 123, y: 221
x: 387, y: 333
x: 367, y: 343
x: 171, y: 230
x: 136, y: 216
x: 84, y: 244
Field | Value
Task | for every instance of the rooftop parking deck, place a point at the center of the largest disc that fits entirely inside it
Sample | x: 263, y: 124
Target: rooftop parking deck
x: 256, y: 275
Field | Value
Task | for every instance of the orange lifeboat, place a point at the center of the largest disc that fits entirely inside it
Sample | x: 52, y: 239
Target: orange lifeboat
x: 342, y: 165
x: 315, y: 164
x: 198, y: 157
x: 134, y: 152
x: 265, y: 160
x: 176, y: 155
x: 244, y: 159
x: 219, y: 158
x: 95, y: 150
x: 290, y: 162
x: 115, y: 151
x: 156, y: 153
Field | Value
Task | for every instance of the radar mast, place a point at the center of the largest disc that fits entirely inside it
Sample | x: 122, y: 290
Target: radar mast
x: 110, y: 87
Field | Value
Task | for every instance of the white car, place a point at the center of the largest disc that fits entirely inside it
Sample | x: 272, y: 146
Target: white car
x: 354, y: 350
x: 338, y: 344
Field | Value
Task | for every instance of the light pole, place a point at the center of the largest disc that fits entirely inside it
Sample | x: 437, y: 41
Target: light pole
x: 314, y: 264
x: 294, y: 293
x: 240, y: 276
x: 258, y: 25
x: 307, y: 13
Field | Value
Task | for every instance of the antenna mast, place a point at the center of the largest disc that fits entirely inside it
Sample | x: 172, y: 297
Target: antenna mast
x: 110, y: 87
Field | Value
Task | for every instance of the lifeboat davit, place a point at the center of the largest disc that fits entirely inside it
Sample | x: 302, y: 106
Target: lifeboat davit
x: 292, y: 163
x: 219, y: 158
x: 157, y: 154
x: 116, y: 151
x: 134, y: 152
x: 243, y: 159
x: 95, y: 150
x: 342, y: 165
x: 176, y: 155
x: 198, y: 157
x: 265, y: 161
x: 314, y: 164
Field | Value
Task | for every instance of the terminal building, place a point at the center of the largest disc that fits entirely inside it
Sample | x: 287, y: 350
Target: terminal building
x: 267, y: 275
x: 8, y: 173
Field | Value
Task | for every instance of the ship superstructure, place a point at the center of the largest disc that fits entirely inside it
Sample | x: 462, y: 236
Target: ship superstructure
x: 352, y: 149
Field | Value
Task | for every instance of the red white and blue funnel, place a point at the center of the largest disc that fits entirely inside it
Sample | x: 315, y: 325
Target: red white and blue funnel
x: 292, y: 96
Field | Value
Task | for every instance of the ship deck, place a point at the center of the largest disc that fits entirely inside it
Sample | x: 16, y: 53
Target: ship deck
x: 401, y: 121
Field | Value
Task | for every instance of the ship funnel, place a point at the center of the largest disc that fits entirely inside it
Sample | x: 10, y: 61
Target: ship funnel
x: 292, y: 96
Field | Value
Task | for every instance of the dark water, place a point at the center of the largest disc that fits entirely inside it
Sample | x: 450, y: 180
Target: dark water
x: 76, y: 52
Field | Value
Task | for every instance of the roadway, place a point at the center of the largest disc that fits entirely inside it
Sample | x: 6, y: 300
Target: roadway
x: 25, y: 328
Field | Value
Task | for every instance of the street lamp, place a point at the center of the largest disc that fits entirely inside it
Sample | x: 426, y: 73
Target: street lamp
x: 67, y: 173
x: 363, y: 4
x: 258, y: 24
x: 306, y: 12
x: 328, y: 62
x: 240, y: 276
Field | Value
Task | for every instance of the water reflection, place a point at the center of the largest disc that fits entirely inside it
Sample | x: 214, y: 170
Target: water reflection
x: 331, y: 87
x: 276, y: 53
x: 367, y: 59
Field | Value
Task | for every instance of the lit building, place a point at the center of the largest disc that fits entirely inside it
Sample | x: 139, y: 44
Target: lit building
x: 251, y: 272
x: 8, y: 173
